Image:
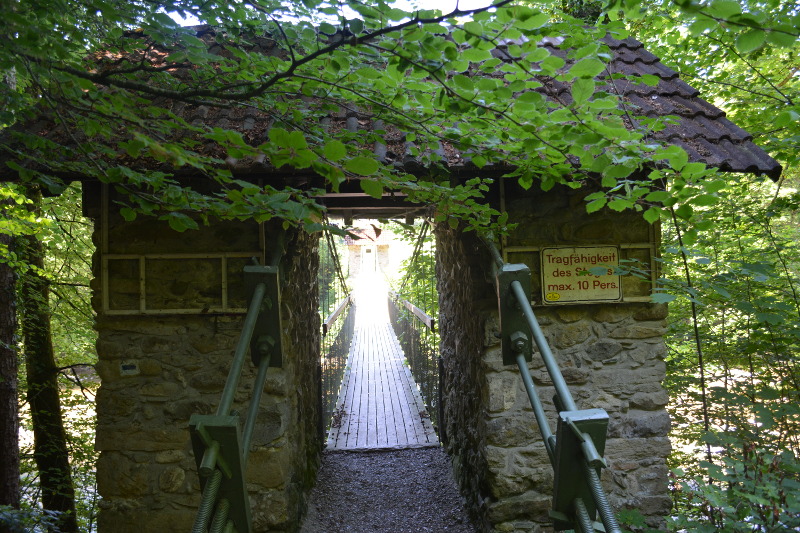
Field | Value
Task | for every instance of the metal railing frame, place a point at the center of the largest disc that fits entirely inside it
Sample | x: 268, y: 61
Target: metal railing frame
x: 416, y: 331
x: 337, y: 334
x: 580, y: 437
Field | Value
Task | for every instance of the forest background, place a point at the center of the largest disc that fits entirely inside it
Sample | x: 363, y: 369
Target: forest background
x: 730, y: 261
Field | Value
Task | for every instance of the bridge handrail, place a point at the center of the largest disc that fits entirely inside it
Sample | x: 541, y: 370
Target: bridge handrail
x: 221, y: 445
x: 326, y: 325
x: 577, y: 430
x: 418, y: 313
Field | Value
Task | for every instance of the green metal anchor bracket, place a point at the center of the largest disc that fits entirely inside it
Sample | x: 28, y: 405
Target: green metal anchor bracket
x: 222, y: 432
x: 515, y: 332
x: 580, y: 440
x: 267, y: 332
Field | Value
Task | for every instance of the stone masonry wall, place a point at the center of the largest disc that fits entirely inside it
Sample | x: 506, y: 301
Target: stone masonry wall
x: 158, y: 370
x: 466, y: 302
x: 611, y: 356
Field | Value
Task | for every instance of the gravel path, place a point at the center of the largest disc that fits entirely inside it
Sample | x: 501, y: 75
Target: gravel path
x: 396, y: 491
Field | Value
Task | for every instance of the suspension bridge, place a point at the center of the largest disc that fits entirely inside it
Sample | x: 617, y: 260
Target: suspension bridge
x: 379, y: 404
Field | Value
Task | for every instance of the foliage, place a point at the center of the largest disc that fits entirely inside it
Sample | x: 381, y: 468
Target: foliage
x: 731, y: 246
x: 418, y: 282
x: 113, y: 83
x: 733, y: 375
x: 66, y: 236
x: 333, y: 260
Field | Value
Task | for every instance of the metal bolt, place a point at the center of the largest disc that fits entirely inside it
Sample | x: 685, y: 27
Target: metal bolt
x: 519, y: 341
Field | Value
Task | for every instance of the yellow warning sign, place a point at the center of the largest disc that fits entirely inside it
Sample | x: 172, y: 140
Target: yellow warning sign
x: 580, y: 274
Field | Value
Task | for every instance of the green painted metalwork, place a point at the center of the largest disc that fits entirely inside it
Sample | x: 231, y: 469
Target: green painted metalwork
x: 576, y: 449
x: 224, y: 431
x: 221, y: 447
x: 267, y: 330
x: 580, y: 435
x: 515, y: 332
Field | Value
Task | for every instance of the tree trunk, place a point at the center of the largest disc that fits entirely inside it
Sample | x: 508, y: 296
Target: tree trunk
x: 9, y: 418
x: 49, y: 438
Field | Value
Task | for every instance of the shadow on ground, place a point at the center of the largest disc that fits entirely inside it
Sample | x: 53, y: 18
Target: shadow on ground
x: 397, y: 491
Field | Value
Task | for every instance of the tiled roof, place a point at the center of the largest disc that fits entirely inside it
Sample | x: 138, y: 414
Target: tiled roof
x: 701, y: 129
x: 367, y: 236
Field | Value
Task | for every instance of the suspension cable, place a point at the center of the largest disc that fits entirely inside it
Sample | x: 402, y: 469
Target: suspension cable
x: 335, y: 255
x: 415, y: 255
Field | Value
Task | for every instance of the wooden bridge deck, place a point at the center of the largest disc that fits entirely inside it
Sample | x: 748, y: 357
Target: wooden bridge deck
x: 379, y: 404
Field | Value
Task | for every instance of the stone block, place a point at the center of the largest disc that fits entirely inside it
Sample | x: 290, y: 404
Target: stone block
x: 603, y: 350
x: 150, y: 367
x: 652, y: 312
x: 503, y: 390
x: 172, y: 479
x: 170, y: 456
x: 636, y: 450
x: 531, y: 506
x: 516, y: 429
x: 612, y: 313
x: 152, y: 440
x: 649, y: 401
x: 640, y: 424
x: 162, y: 391
x: 205, y: 342
x: 118, y: 477
x: 157, y: 344
x: 491, y: 335
x: 113, y: 404
x: 183, y: 410
x: 571, y: 374
x: 270, y: 510
x: 569, y: 334
x: 268, y: 468
x: 209, y: 380
x: 636, y: 332
x: 571, y: 314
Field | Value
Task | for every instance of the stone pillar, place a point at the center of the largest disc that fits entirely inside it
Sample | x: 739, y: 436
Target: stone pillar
x: 159, y: 369
x: 611, y: 356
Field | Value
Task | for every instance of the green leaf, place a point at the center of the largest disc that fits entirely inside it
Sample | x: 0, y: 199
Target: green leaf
x: 652, y: 215
x: 685, y: 211
x: 476, y: 55
x: 662, y: 297
x: 463, y: 82
x: 588, y: 67
x: 364, y: 166
x: 704, y: 200
x: 712, y: 186
x: 677, y: 158
x: 651, y: 80
x: 551, y: 64
x: 474, y: 28
x: 180, y: 222
x: 356, y: 25
x: 702, y: 24
x: 535, y: 22
x: 657, y: 196
x: 335, y: 150
x: 582, y: 90
x: 620, y: 204
x: 724, y: 9
x: 372, y: 188
x: 751, y: 40
x: 781, y: 39
x: 128, y: 214
x: 595, y: 205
